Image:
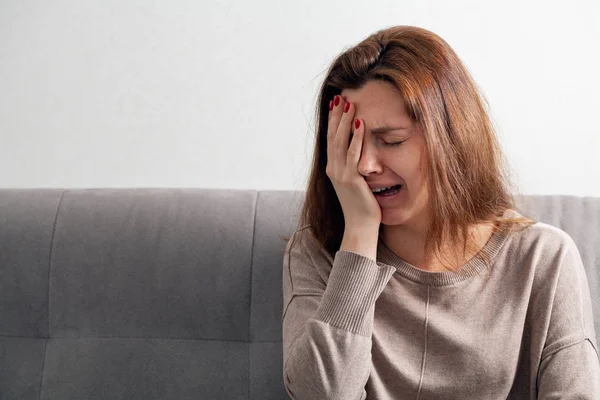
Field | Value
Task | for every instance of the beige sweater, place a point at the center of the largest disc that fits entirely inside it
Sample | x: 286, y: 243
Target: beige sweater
x: 357, y: 329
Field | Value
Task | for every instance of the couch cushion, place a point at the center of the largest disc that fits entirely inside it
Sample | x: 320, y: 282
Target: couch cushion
x: 143, y: 369
x: 152, y: 263
x: 26, y: 225
x: 21, y: 364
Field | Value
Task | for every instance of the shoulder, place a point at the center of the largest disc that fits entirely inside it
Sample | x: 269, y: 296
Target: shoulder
x: 560, y: 289
x: 546, y: 263
x: 542, y: 237
x: 544, y: 253
x: 304, y: 240
x: 303, y: 251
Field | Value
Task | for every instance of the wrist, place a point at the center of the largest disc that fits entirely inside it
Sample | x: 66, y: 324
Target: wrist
x: 361, y: 240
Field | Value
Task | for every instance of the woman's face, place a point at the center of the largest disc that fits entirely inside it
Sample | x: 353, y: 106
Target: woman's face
x: 379, y: 105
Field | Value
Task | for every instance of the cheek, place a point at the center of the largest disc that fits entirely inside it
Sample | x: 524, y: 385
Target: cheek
x: 422, y: 165
x: 421, y: 160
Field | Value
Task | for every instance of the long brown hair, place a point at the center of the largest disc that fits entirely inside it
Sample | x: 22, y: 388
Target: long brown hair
x: 467, y: 175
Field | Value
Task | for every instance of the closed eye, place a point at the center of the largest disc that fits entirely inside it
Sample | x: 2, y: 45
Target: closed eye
x: 388, y: 144
x: 393, y: 143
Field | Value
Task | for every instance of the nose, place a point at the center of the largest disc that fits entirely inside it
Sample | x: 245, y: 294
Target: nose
x: 369, y: 163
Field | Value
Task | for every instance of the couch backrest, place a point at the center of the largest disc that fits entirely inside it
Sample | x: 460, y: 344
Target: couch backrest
x: 166, y: 293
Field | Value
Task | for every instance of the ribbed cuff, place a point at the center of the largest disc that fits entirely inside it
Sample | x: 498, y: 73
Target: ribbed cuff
x: 355, y: 283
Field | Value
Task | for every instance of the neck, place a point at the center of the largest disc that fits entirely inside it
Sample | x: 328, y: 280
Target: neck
x: 408, y: 243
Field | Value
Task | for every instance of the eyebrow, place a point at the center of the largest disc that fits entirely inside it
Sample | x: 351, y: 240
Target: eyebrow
x: 383, y: 129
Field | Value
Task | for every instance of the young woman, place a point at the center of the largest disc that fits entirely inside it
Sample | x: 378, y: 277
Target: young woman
x: 412, y: 275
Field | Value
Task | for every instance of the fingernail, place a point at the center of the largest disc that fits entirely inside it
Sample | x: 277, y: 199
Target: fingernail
x: 357, y: 124
x: 337, y: 100
x: 330, y: 105
x: 346, y: 106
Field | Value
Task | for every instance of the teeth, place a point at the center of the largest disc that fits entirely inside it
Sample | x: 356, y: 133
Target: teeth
x: 382, y: 189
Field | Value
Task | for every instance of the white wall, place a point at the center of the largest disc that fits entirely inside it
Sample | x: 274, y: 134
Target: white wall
x: 174, y: 93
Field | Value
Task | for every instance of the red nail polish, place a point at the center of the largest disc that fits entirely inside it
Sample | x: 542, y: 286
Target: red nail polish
x: 357, y: 124
x: 337, y: 100
x: 330, y: 105
x: 346, y: 106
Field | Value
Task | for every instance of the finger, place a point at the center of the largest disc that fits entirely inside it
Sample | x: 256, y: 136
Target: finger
x: 334, y: 119
x: 356, y: 145
x: 332, y: 126
x: 342, y: 136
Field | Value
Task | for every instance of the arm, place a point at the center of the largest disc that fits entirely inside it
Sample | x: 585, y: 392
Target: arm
x: 327, y: 327
x: 570, y: 373
x: 569, y: 367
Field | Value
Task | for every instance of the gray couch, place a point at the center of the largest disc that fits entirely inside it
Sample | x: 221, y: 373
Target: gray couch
x: 167, y: 293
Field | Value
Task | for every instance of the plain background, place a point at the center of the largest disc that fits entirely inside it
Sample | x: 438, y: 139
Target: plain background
x: 221, y: 94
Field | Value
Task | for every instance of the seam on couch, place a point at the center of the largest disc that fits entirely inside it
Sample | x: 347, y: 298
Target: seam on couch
x: 48, y: 293
x: 62, y: 195
x: 42, y: 371
x: 250, y: 305
x: 139, y: 337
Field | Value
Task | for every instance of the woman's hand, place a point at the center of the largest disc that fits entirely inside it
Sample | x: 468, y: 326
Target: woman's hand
x: 359, y: 205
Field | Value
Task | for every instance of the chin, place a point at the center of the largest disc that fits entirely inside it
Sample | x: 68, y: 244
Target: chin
x: 394, y: 217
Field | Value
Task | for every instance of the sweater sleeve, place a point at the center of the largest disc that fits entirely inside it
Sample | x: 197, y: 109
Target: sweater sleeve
x: 570, y: 367
x: 327, y: 326
x: 571, y: 373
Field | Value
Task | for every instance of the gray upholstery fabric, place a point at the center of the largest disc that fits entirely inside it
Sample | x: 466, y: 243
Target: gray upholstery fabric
x: 167, y: 293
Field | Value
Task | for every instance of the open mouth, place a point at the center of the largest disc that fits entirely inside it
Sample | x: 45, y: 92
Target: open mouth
x: 389, y: 192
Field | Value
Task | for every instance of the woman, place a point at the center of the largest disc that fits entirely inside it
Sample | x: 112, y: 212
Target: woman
x: 412, y: 275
